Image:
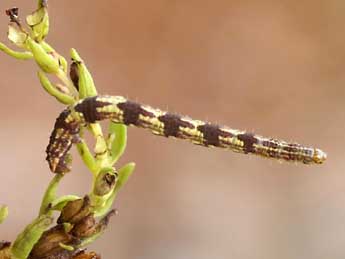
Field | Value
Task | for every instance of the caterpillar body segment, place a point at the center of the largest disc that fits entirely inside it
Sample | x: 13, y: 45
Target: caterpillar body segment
x: 65, y: 131
x: 120, y: 110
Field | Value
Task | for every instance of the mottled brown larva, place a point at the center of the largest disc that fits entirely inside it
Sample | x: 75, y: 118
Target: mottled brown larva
x: 120, y: 110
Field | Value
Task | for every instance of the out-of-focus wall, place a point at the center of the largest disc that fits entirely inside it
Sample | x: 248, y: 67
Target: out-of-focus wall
x: 273, y: 67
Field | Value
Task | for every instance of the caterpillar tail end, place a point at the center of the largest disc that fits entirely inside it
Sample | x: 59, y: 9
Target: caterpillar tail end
x: 319, y: 156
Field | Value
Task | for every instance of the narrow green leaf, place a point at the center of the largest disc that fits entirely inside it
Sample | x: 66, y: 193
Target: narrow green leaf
x: 124, y: 173
x: 26, y: 240
x: 87, y: 156
x: 116, y: 141
x: 16, y: 54
x: 59, y: 203
x: 47, y: 85
x: 50, y: 194
x: 100, y: 148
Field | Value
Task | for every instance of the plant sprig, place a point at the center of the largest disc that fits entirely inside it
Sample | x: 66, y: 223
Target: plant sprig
x: 68, y: 90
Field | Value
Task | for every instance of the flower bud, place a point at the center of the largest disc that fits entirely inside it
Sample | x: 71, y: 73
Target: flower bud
x: 83, y: 80
x: 45, y: 60
x: 39, y: 23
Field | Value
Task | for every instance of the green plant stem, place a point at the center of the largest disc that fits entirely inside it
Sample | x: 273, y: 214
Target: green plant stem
x: 50, y: 194
x: 26, y: 240
x: 87, y: 157
x: 68, y: 83
x: 47, y: 85
x: 116, y: 141
x: 16, y: 54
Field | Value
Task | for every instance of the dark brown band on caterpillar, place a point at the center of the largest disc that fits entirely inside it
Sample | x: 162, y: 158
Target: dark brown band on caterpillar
x: 120, y: 110
x: 211, y: 134
x: 132, y: 111
x: 88, y: 110
x: 172, y: 124
x: 249, y: 140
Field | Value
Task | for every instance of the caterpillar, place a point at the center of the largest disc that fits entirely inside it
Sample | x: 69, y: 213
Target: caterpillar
x: 120, y: 110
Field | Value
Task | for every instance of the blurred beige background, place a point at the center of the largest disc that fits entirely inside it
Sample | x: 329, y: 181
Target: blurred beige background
x: 274, y: 67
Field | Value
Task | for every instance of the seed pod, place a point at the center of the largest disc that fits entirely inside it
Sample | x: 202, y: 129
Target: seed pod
x: 83, y: 255
x: 45, y: 60
x: 50, y: 241
x: 85, y: 228
x: 76, y: 210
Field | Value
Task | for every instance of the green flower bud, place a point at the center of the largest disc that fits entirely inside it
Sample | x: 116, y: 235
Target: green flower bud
x: 63, y: 63
x: 82, y: 77
x: 124, y: 173
x: 39, y: 23
x: 16, y: 54
x: 45, y: 61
